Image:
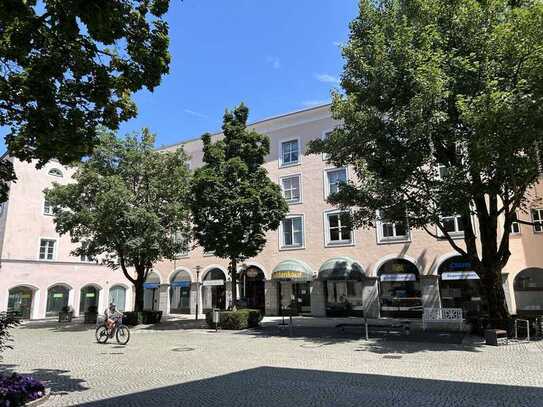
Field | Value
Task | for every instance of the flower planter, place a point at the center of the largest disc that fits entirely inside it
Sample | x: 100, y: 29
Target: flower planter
x: 65, y: 316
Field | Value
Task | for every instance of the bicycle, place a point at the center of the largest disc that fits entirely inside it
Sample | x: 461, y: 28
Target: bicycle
x: 119, y: 331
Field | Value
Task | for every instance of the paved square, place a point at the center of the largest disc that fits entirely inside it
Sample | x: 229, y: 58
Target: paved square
x: 198, y: 367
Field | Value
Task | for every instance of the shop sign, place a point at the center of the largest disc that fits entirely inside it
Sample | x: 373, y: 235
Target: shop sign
x: 251, y: 273
x: 460, y: 275
x: 58, y: 295
x: 90, y: 295
x: 26, y: 296
x: 180, y: 284
x: 213, y: 282
x: 460, y: 265
x: 150, y: 285
x: 287, y: 275
x: 399, y: 277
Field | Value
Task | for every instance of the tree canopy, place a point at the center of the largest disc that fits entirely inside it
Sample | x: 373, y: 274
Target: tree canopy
x: 442, y: 114
x: 68, y: 66
x: 129, y: 205
x: 234, y: 202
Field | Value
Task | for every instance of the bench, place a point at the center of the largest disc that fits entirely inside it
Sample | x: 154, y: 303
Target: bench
x: 434, y: 316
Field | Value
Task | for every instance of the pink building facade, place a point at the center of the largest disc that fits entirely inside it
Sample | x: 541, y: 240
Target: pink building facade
x: 313, y: 264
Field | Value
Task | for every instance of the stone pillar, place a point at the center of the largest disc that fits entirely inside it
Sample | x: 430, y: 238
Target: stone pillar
x: 164, y: 299
x: 270, y: 294
x: 370, y: 297
x: 194, y: 297
x: 429, y: 287
x: 318, y: 307
x: 228, y: 292
x: 507, y: 293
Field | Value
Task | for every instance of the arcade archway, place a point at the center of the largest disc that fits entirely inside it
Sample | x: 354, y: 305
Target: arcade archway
x: 399, y: 289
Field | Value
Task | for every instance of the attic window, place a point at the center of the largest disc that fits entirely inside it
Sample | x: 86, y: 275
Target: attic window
x: 55, y: 172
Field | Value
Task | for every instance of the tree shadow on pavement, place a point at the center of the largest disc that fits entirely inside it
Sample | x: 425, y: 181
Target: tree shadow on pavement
x: 272, y: 386
x: 59, y: 381
x: 55, y: 326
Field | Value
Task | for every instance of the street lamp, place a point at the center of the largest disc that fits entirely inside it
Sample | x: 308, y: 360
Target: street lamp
x: 197, y: 291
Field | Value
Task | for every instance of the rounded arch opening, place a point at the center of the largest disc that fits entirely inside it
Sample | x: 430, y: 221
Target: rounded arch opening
x: 57, y: 298
x: 214, y: 289
x: 21, y: 301
x: 117, y: 296
x: 528, y: 287
x: 252, y: 288
x: 89, y: 298
x: 460, y: 286
x: 399, y: 289
x: 180, y: 283
x: 151, y: 292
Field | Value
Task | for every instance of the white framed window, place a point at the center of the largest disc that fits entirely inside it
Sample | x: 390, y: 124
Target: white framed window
x: 515, y: 226
x: 87, y: 259
x: 338, y: 232
x: 292, y: 232
x: 291, y: 186
x: 442, y: 171
x: 47, y: 208
x: 55, y: 172
x: 289, y: 152
x: 537, y: 219
x: 48, y: 249
x: 391, y: 231
x: 179, y: 238
x: 333, y: 177
x: 453, y: 225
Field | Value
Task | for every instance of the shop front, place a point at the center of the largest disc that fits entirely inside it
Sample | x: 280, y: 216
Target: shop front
x: 57, y: 299
x: 180, y: 293
x: 528, y: 286
x: 20, y: 301
x: 252, y: 288
x: 89, y: 299
x: 342, y: 279
x: 117, y: 296
x: 460, y: 287
x: 292, y: 280
x: 399, y: 289
x: 214, y: 290
x: 151, y: 292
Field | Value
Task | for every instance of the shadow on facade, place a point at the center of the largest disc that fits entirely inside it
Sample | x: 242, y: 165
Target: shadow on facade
x: 270, y: 386
x: 59, y: 381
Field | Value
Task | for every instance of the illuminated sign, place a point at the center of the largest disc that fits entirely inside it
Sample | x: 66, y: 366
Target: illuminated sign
x: 399, y: 277
x: 288, y: 275
x: 460, y: 275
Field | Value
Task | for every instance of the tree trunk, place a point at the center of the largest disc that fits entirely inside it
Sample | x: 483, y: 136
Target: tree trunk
x: 234, y: 275
x: 494, y: 296
x: 139, y: 292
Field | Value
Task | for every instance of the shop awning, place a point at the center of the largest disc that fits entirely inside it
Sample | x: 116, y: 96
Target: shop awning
x: 292, y: 270
x: 341, y: 268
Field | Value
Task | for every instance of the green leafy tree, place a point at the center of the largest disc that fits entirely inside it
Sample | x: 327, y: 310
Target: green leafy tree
x: 129, y: 205
x: 234, y: 202
x: 68, y: 66
x: 442, y: 114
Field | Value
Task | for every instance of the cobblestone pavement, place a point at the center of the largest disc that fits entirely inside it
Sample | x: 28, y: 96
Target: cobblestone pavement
x: 198, y: 367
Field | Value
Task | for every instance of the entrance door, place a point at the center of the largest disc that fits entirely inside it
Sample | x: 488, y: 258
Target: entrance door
x: 253, y: 288
x: 302, y: 296
x: 20, y: 302
x: 214, y: 290
x: 89, y: 298
x: 180, y: 293
x: 57, y: 299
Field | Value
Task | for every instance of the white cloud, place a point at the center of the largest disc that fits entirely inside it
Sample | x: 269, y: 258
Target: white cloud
x: 311, y: 103
x: 195, y: 114
x: 337, y: 44
x: 326, y: 78
x: 275, y: 62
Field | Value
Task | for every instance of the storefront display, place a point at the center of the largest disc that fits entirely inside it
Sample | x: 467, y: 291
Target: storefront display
x: 399, y: 289
x: 293, y: 281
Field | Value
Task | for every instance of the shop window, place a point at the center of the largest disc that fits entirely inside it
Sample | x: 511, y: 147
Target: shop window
x: 291, y: 187
x: 334, y: 178
x: 290, y: 152
x: 292, y: 231
x: 339, y: 231
x: 47, y: 249
x: 537, y: 219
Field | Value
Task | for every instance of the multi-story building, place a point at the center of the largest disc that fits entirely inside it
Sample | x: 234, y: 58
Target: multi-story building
x: 313, y: 263
x: 38, y: 275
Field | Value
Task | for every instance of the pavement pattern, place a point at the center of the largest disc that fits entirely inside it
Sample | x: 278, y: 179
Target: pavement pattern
x: 185, y: 364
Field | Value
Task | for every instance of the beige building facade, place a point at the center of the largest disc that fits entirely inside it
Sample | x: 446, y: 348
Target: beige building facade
x: 313, y: 265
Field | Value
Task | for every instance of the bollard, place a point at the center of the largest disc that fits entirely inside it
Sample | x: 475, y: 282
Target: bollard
x: 216, y: 318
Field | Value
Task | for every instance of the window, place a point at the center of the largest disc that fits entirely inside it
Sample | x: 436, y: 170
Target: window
x: 47, y: 208
x: 442, y: 171
x: 88, y: 259
x: 290, y: 152
x: 334, y: 178
x: 453, y: 225
x: 47, y: 249
x: 180, y: 239
x: 55, y: 172
x: 291, y: 189
x: 537, y: 218
x: 325, y: 135
x: 292, y: 231
x: 391, y: 231
x: 338, y: 231
x: 515, y: 226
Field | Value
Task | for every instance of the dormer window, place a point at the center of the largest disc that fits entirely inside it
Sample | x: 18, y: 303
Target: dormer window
x: 55, y: 172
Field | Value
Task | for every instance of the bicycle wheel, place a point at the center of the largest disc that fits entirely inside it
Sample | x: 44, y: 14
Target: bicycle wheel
x: 101, y: 334
x: 123, y: 335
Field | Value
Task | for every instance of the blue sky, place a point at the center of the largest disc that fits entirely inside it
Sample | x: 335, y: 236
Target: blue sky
x: 275, y: 56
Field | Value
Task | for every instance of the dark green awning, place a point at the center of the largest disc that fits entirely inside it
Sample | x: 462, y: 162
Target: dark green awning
x: 341, y: 268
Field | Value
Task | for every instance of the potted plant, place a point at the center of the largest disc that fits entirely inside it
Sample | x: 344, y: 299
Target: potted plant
x: 91, y: 315
x: 66, y: 314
